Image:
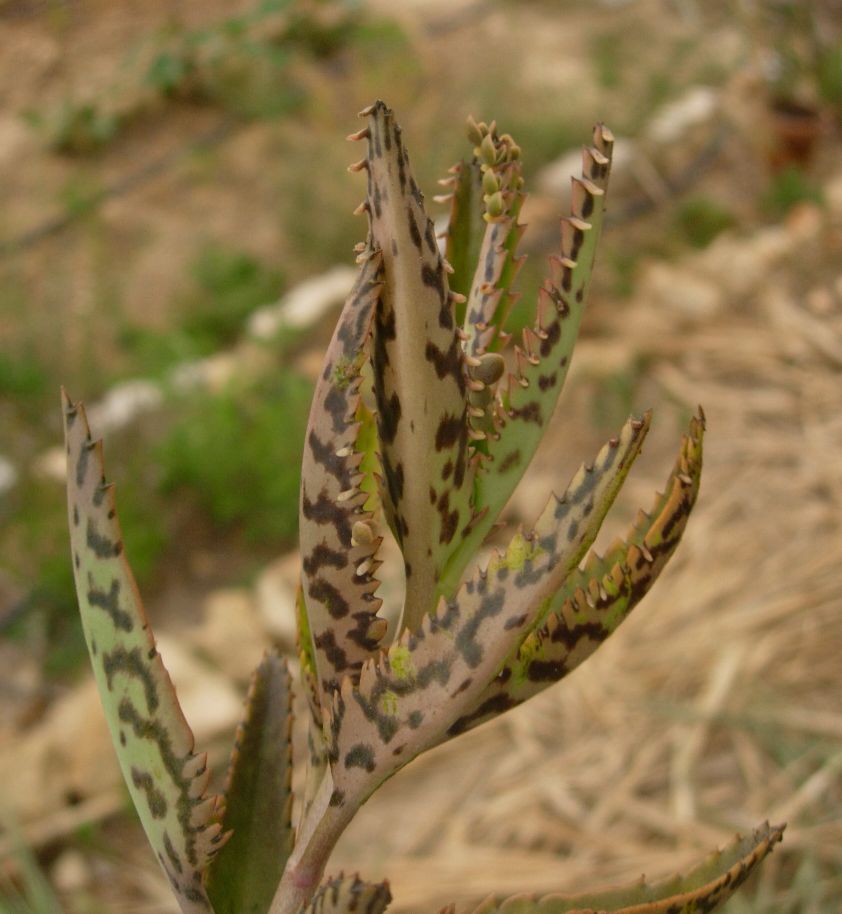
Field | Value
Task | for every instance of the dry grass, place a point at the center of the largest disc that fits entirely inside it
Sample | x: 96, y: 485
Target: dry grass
x: 716, y: 705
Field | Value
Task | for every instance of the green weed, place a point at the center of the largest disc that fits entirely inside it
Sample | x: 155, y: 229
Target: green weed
x: 227, y: 286
x: 75, y: 128
x: 238, y: 456
x: 829, y: 75
x: 31, y: 893
x: 787, y: 189
x: 607, y: 59
x: 623, y: 265
x: 615, y: 394
x: 22, y: 375
x: 35, y: 543
x: 700, y: 219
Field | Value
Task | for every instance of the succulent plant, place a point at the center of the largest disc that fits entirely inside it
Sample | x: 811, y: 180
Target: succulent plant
x: 422, y: 421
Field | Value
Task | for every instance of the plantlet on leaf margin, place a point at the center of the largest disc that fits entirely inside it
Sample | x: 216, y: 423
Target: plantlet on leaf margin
x: 420, y: 421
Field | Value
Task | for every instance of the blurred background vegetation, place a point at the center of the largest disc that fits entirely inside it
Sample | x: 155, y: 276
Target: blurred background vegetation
x: 172, y: 167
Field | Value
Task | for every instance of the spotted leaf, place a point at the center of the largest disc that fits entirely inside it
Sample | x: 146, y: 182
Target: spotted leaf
x: 166, y: 779
x: 594, y: 600
x: 243, y: 877
x: 497, y: 264
x: 408, y: 698
x: 349, y: 895
x: 337, y: 539
x: 419, y: 380
x: 317, y: 749
x: 529, y: 394
x: 701, y: 891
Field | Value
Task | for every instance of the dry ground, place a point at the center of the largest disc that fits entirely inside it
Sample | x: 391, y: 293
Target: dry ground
x: 718, y: 704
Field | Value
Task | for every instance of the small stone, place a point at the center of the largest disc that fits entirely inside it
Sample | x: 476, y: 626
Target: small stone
x: 51, y: 464
x: 275, y: 598
x: 554, y: 179
x: 674, y: 120
x: 230, y: 634
x: 123, y: 403
x: 833, y: 196
x: 303, y: 305
x: 820, y: 301
x: 212, y: 373
x: 8, y: 475
x: 680, y: 292
x: 71, y: 873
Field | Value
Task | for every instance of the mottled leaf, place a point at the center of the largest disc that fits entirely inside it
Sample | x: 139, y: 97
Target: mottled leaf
x: 594, y: 600
x: 166, y: 779
x: 542, y: 360
x: 497, y: 265
x: 338, y: 544
x: 243, y: 877
x: 701, y: 891
x: 419, y: 379
x: 349, y: 895
x: 408, y: 697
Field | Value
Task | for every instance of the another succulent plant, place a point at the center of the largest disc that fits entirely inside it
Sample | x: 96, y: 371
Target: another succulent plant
x: 420, y: 422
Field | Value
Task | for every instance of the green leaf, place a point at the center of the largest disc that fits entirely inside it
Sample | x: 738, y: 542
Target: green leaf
x: 466, y: 226
x: 166, y: 779
x: 594, y: 600
x: 497, y: 265
x: 419, y: 378
x: 409, y: 697
x: 701, y: 891
x: 349, y: 895
x: 317, y: 748
x: 243, y: 877
x: 541, y: 362
x: 337, y: 540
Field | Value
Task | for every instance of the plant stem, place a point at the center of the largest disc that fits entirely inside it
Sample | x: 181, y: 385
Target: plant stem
x: 316, y: 838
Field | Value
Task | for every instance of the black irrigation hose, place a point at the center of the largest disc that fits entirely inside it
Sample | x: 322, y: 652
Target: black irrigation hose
x: 209, y: 138
x: 628, y: 212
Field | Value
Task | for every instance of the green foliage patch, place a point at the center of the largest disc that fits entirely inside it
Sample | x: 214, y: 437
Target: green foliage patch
x: 700, y: 219
x: 237, y: 455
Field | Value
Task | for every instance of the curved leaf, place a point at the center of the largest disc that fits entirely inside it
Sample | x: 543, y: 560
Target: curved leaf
x: 526, y: 405
x: 243, y: 877
x: 349, y: 895
x: 154, y: 744
x: 408, y: 697
x: 701, y: 891
x: 316, y: 745
x: 338, y: 544
x: 594, y: 601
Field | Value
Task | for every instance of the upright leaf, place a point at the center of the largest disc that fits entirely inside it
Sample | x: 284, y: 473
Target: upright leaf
x: 243, y: 877
x: 497, y: 265
x: 419, y: 379
x: 466, y: 226
x: 166, y: 779
x: 316, y: 745
x: 408, y: 697
x: 337, y: 540
x: 541, y: 362
x: 593, y: 601
x: 701, y: 891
